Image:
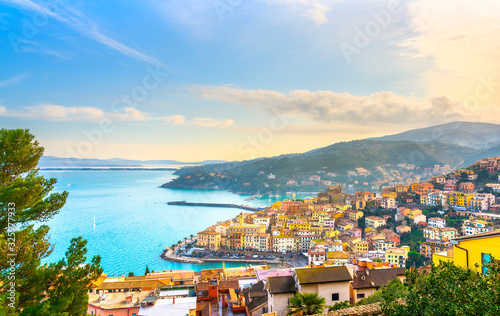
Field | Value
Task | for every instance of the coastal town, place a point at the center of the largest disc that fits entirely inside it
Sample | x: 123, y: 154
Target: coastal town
x: 341, y: 246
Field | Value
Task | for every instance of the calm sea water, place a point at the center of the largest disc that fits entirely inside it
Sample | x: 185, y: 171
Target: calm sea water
x: 133, y: 221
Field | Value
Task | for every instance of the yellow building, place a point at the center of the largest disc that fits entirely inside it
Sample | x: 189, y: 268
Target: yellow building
x: 460, y: 199
x: 397, y: 256
x: 243, y: 228
x: 323, y: 216
x: 284, y: 242
x: 331, y: 233
x: 211, y: 240
x: 299, y: 226
x: 359, y: 246
x: 390, y: 194
x: 413, y: 187
x: 310, y: 200
x: 467, y: 171
x: 353, y: 215
x: 423, y: 199
x: 471, y: 250
x: 374, y: 221
x: 401, y: 188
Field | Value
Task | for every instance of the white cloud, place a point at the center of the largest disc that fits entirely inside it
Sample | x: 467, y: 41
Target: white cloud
x: 12, y: 81
x: 53, y: 112
x: 134, y: 115
x: 202, y: 17
x: 380, y: 107
x: 84, y: 26
x: 59, y: 113
x: 314, y: 10
x: 211, y: 122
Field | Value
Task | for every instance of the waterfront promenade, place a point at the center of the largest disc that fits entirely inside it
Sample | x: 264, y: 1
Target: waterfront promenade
x: 169, y: 254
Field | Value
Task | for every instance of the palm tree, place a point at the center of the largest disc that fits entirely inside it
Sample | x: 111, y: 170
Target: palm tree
x: 306, y: 304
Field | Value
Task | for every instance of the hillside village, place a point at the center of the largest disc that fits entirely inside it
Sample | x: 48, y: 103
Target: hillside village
x: 269, y: 183
x: 352, y: 244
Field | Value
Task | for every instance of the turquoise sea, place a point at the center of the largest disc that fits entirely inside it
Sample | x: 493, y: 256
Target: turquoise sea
x: 133, y: 221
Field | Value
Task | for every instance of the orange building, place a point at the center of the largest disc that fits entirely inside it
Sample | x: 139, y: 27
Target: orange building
x: 423, y: 187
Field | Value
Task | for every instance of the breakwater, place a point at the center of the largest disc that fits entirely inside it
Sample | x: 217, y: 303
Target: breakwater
x: 169, y: 253
x: 242, y: 207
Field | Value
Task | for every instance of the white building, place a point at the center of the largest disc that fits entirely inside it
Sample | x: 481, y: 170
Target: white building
x: 475, y: 226
x: 332, y: 283
x: 262, y: 221
x: 437, y: 222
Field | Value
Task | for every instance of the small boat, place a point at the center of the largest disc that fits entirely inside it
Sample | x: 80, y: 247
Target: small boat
x: 94, y: 222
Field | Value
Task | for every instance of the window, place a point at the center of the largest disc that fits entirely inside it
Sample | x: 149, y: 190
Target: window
x: 485, y: 258
x: 134, y: 314
x: 361, y: 295
x: 335, y: 296
x: 264, y: 310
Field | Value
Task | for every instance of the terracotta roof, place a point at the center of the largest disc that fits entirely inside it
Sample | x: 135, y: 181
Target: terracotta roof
x: 281, y: 284
x: 229, y: 284
x: 128, y: 284
x: 176, y: 275
x: 323, y: 275
x: 375, y: 277
x: 202, y: 286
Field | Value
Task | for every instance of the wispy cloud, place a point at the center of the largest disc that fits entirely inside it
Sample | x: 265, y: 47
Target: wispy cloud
x: 13, y: 80
x: 315, y: 10
x: 60, y: 113
x: 82, y: 24
x: 211, y: 122
x: 326, y: 106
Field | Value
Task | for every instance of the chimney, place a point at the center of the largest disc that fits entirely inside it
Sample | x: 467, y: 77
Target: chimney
x: 129, y: 297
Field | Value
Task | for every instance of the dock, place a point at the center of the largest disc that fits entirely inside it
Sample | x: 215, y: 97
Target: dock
x: 241, y: 207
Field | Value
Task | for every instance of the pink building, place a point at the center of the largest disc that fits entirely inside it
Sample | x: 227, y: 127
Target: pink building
x: 329, y: 223
x: 356, y: 232
x: 482, y: 201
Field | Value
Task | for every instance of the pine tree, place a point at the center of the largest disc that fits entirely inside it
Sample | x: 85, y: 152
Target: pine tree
x: 147, y: 271
x: 27, y: 287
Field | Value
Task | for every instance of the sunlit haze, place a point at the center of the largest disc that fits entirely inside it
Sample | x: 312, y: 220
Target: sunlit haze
x: 193, y: 80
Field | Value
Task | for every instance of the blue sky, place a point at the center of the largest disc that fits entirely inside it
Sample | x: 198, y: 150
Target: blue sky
x: 230, y: 79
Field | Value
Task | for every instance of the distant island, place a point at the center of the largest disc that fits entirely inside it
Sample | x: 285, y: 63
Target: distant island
x: 111, y: 168
x: 59, y: 162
